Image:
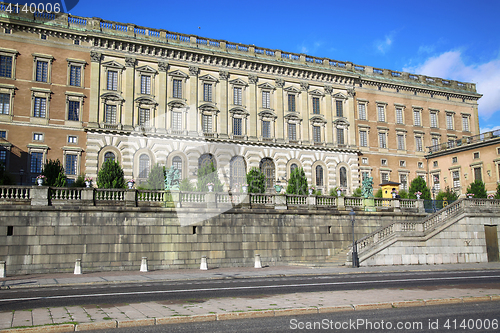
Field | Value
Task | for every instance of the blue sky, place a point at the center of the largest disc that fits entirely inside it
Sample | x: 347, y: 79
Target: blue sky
x: 456, y: 40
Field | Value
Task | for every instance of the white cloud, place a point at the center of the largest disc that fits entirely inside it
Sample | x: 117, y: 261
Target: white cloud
x: 489, y: 129
x: 450, y: 65
x: 383, y: 46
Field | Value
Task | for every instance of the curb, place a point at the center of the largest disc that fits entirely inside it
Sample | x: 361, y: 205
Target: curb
x: 245, y: 315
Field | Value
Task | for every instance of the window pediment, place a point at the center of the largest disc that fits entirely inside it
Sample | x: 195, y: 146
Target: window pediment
x: 113, y: 64
x: 178, y: 73
x: 292, y: 89
x: 318, y: 119
x: 339, y: 96
x: 316, y: 92
x: 238, y: 82
x: 293, y: 117
x: 240, y: 111
x: 208, y: 78
x: 266, y: 85
x: 341, y: 122
x: 268, y: 114
x: 209, y: 107
x: 111, y: 96
x: 177, y: 103
x: 146, y: 100
x: 147, y: 69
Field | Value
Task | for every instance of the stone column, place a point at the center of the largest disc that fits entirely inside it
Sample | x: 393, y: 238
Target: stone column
x: 330, y: 115
x: 128, y: 82
x: 306, y: 125
x: 95, y: 83
x: 193, y: 117
x: 253, y: 107
x: 280, y: 111
x: 340, y: 203
x: 161, y: 123
x: 224, y: 112
x: 88, y: 196
x: 350, y: 113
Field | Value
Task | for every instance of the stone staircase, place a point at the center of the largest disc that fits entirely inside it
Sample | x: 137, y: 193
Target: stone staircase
x: 430, y: 226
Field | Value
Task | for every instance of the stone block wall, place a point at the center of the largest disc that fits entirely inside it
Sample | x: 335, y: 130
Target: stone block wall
x: 50, y: 239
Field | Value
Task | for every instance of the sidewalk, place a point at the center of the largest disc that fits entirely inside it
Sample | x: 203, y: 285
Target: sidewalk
x: 71, y: 318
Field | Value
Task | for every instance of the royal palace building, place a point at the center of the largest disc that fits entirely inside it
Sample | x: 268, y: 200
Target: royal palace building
x: 84, y: 90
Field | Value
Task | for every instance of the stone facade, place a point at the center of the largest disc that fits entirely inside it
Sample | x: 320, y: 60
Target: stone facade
x: 152, y: 96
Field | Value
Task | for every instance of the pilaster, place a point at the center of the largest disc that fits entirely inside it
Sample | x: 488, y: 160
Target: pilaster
x: 329, y: 130
x: 95, y: 81
x: 253, y: 107
x: 162, y: 89
x: 304, y: 109
x: 350, y: 114
x: 128, y: 92
x: 193, y: 122
x: 280, y: 83
x: 224, y: 112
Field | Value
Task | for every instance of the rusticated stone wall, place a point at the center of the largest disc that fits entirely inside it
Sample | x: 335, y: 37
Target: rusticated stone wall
x: 50, y: 239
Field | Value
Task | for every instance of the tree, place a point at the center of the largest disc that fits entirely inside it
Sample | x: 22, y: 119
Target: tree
x: 478, y: 189
x: 403, y: 194
x: 156, y: 178
x: 186, y: 186
x: 111, y: 175
x: 256, y: 181
x: 208, y: 174
x: 497, y: 195
x: 79, y: 182
x: 54, y: 174
x: 419, y: 185
x: 448, y: 194
x: 378, y: 194
x: 357, y: 193
x: 297, y: 184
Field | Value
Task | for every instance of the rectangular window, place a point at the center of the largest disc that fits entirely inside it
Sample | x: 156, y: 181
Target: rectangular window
x: 5, y: 66
x: 110, y: 116
x: 74, y: 110
x: 266, y: 99
x: 401, y: 141
x: 340, y: 136
x: 418, y: 143
x: 266, y: 129
x: 177, y: 89
x: 362, y: 111
x: 437, y: 185
x: 40, y: 107
x: 4, y: 103
x: 435, y: 164
x: 383, y: 162
x: 146, y: 84
x: 144, y: 117
x: 416, y: 118
x: 465, y: 123
x: 42, y: 69
x: 70, y: 164
x: 72, y: 139
x: 456, y: 178
x: 403, y: 179
x: 177, y: 121
x: 402, y: 164
x: 316, y: 134
x: 291, y: 103
x: 207, y: 92
x: 435, y: 142
x: 454, y: 160
x: 476, y: 155
x: 449, y: 121
x: 364, y: 160
x: 292, y: 132
x: 3, y: 157
x: 382, y: 142
x: 434, y: 120
x: 75, y: 75
x: 316, y: 105
x: 37, y: 136
x: 36, y: 162
x: 112, y: 80
x: 385, y: 177
x: 207, y: 123
x: 381, y: 113
x: 364, y: 175
x: 399, y: 115
x: 3, y: 134
x: 363, y: 139
x: 237, y: 130
x: 237, y: 96
x: 340, y: 108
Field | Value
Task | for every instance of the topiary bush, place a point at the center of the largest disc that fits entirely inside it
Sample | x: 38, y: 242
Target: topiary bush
x: 419, y: 185
x: 297, y: 184
x: 478, y: 189
x: 54, y: 174
x: 156, y: 178
x: 256, y: 181
x: 111, y: 175
x: 186, y: 186
x: 448, y: 194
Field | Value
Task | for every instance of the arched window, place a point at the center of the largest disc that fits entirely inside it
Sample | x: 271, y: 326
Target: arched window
x: 238, y: 171
x: 177, y: 164
x: 109, y: 156
x: 319, y: 175
x: 343, y: 177
x: 206, y: 159
x: 293, y: 167
x: 267, y: 167
x: 143, y: 166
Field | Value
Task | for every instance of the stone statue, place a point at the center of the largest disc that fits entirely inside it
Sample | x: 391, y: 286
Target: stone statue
x: 172, y: 179
x: 367, y: 187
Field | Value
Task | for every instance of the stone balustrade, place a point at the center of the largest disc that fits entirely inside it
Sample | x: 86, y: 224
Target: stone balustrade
x: 57, y: 196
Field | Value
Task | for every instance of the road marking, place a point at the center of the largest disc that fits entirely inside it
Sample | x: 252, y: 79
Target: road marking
x: 249, y: 287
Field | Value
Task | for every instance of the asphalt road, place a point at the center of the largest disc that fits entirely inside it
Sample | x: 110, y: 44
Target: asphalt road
x: 467, y: 317
x: 29, y: 298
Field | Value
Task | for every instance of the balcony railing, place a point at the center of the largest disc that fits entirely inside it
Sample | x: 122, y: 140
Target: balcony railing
x: 464, y: 141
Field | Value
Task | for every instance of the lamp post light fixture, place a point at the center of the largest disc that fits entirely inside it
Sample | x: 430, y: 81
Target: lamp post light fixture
x: 355, y: 259
x: 21, y: 173
x: 434, y: 198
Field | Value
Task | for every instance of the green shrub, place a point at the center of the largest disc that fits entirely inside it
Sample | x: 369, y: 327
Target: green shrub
x: 478, y: 189
x: 111, y: 175
x: 208, y: 174
x: 419, y: 185
x: 333, y: 192
x: 256, y: 181
x: 156, y: 178
x: 79, y: 182
x: 497, y: 195
x: 297, y: 184
x: 54, y: 174
x: 403, y: 194
x: 448, y: 194
x: 378, y: 194
x: 357, y: 193
x: 186, y: 186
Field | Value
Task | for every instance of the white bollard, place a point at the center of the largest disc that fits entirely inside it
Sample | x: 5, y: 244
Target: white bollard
x: 2, y: 269
x: 144, y: 264
x: 203, y: 265
x: 78, y: 266
x: 258, y: 264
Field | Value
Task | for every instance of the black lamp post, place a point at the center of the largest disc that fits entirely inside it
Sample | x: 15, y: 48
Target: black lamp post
x: 355, y: 260
x: 21, y: 173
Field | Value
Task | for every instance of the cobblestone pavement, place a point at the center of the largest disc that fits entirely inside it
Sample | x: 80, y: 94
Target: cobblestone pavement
x: 99, y: 316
